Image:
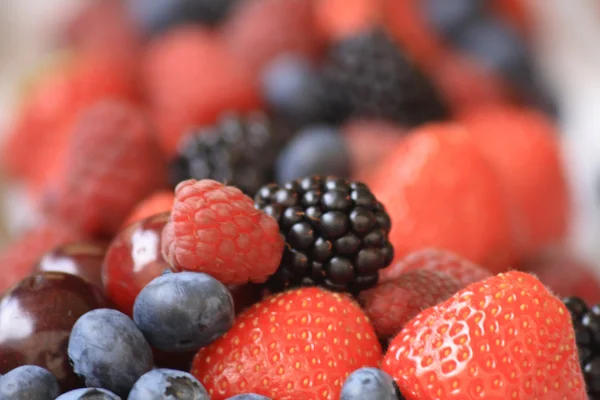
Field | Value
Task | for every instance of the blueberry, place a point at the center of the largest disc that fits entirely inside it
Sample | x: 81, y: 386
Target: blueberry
x: 248, y: 396
x: 168, y: 384
x: 292, y: 89
x: 29, y: 382
x: 369, y: 383
x: 316, y: 150
x: 89, y: 394
x: 447, y: 17
x: 156, y: 16
x: 107, y: 350
x: 183, y: 311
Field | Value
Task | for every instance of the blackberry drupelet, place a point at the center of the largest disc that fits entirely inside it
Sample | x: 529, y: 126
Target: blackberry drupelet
x: 586, y: 322
x: 238, y: 151
x: 369, y: 72
x: 336, y: 233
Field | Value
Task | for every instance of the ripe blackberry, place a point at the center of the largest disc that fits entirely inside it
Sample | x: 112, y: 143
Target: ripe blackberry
x: 370, y: 73
x: 238, y: 151
x: 336, y: 233
x: 586, y: 322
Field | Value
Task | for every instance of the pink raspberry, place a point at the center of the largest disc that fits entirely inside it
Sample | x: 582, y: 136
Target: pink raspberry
x: 215, y: 229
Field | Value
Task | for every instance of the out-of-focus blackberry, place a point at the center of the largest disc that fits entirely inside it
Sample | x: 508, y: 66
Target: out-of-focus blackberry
x: 586, y: 322
x: 239, y: 151
x: 336, y: 233
x: 369, y: 72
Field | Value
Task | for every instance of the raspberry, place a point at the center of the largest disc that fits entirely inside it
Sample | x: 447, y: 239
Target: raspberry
x: 156, y: 203
x: 464, y: 271
x: 336, y: 233
x: 112, y: 163
x: 19, y: 257
x: 55, y: 101
x: 215, y: 229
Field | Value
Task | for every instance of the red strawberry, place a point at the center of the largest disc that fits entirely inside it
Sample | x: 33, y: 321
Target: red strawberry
x: 301, y: 344
x: 156, y: 203
x: 112, y: 163
x: 55, y: 101
x: 391, y: 304
x: 437, y: 260
x: 564, y: 274
x: 466, y: 85
x: 215, y: 229
x: 19, y: 257
x: 369, y: 142
x: 337, y: 19
x: 191, y: 79
x: 259, y: 30
x: 440, y: 191
x: 532, y: 171
x: 504, y: 338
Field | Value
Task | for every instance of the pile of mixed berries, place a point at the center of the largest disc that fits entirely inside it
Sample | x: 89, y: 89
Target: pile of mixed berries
x: 299, y: 199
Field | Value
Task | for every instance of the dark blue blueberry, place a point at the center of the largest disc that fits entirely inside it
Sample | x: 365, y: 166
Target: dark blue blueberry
x: 292, y: 88
x: 156, y: 16
x: 249, y: 396
x: 107, y: 350
x: 160, y: 384
x: 317, y: 150
x: 369, y: 383
x: 29, y: 382
x: 184, y: 311
x: 89, y: 394
x: 447, y: 17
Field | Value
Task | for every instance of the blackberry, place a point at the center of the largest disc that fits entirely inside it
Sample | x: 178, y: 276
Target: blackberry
x: 586, y: 322
x: 336, y: 233
x: 239, y: 151
x: 369, y: 72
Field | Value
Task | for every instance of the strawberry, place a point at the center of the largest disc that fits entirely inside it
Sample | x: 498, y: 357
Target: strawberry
x: 156, y: 203
x: 337, y: 19
x: 441, y: 192
x: 532, y: 171
x: 259, y: 30
x: 369, y: 141
x: 564, y: 274
x: 503, y: 338
x: 190, y: 80
x: 466, y: 85
x: 299, y: 344
x: 54, y: 102
x: 437, y: 260
x: 391, y: 304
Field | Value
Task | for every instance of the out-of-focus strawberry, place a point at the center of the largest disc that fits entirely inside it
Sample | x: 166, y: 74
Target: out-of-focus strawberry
x: 393, y: 303
x: 522, y: 145
x: 466, y: 86
x: 191, y: 79
x: 55, y: 101
x: 368, y: 141
x: 564, y: 274
x: 440, y: 191
x: 113, y: 161
x: 18, y: 258
x: 259, y: 30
